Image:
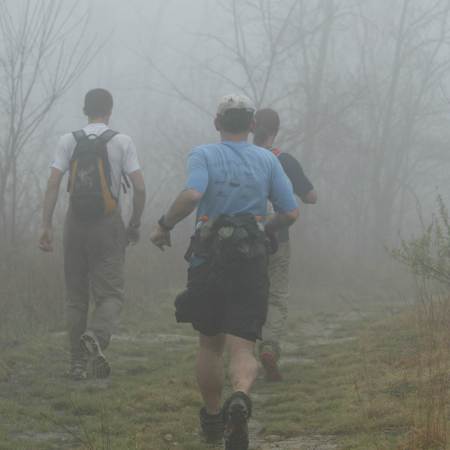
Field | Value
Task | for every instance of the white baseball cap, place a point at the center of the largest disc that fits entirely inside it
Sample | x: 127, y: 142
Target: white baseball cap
x: 235, y: 101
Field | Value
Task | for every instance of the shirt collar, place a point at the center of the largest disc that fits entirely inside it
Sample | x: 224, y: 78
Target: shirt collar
x: 244, y: 142
x: 95, y: 128
x: 96, y: 125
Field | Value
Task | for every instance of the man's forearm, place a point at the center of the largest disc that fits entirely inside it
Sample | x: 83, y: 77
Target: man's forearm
x: 310, y: 198
x: 139, y: 197
x: 184, y: 205
x: 50, y: 199
x: 279, y: 221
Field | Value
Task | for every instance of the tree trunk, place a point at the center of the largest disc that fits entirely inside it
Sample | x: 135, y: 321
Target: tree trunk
x: 314, y: 95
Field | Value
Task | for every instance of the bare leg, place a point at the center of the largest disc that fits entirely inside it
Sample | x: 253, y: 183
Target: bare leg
x: 243, y: 365
x: 210, y: 376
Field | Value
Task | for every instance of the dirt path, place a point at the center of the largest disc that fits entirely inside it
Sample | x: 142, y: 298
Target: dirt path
x: 59, y: 414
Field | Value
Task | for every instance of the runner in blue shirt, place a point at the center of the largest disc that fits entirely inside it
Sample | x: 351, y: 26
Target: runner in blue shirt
x: 229, y: 183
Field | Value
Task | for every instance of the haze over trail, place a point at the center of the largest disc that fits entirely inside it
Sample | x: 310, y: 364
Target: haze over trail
x: 362, y: 88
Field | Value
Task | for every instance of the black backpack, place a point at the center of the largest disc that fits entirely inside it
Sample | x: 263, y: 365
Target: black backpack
x: 89, y: 182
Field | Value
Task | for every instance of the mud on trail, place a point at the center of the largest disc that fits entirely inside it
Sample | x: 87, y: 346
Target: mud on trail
x: 151, y: 402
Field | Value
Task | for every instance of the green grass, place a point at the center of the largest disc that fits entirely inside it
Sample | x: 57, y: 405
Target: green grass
x: 144, y: 401
x: 361, y: 391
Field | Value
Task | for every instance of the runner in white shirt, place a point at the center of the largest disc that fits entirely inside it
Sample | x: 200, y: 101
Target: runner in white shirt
x: 94, y: 246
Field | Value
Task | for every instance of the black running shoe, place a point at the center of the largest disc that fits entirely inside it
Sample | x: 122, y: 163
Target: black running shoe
x: 237, y: 411
x: 90, y: 345
x: 212, y: 426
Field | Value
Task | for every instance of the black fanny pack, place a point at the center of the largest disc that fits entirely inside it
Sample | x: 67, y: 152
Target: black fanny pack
x: 229, y: 239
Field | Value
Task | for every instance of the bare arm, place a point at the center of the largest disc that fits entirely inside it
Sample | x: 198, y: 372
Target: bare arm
x: 50, y: 200
x: 139, y: 195
x: 51, y: 196
x: 184, y: 204
x: 310, y: 198
x: 281, y: 220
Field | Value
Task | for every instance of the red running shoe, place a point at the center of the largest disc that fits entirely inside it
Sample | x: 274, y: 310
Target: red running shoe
x: 270, y: 365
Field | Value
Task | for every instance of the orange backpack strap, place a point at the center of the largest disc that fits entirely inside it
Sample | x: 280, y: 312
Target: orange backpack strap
x: 106, y: 137
x: 110, y: 200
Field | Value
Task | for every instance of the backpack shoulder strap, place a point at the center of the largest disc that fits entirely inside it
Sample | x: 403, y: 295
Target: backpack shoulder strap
x: 107, y: 135
x: 79, y: 135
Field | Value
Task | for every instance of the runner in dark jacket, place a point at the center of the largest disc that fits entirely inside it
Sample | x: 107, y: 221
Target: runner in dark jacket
x: 267, y: 126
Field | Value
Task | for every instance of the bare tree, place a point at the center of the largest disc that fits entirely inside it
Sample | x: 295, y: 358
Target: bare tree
x: 314, y: 67
x: 42, y: 52
x: 400, y: 104
x: 359, y: 87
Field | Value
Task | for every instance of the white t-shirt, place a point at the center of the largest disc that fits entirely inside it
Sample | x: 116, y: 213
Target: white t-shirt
x: 122, y: 154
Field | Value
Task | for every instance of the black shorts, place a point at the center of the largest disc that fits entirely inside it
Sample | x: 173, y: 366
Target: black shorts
x: 232, y: 301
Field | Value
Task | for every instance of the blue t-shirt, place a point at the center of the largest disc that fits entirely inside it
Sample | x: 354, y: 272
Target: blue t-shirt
x: 237, y: 178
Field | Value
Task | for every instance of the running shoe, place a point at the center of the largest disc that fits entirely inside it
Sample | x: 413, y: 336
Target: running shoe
x: 90, y: 345
x: 269, y: 362
x: 212, y: 426
x: 78, y: 371
x: 237, y: 412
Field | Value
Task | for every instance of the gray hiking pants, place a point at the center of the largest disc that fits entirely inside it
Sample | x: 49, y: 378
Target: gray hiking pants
x: 94, y: 255
x: 277, y: 314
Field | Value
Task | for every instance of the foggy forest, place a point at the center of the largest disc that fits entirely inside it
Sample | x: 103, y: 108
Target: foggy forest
x: 362, y: 88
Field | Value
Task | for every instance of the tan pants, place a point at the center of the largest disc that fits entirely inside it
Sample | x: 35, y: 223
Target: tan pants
x: 94, y: 254
x: 275, y: 326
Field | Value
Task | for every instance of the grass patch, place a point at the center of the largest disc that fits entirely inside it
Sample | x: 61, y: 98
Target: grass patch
x: 364, y: 391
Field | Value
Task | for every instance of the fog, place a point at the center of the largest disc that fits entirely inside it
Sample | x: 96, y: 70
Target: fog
x: 363, y: 91
x: 361, y: 86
